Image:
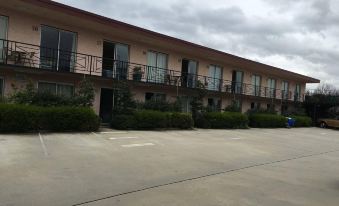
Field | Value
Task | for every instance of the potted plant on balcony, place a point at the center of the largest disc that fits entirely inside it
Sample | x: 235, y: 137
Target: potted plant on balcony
x: 137, y: 73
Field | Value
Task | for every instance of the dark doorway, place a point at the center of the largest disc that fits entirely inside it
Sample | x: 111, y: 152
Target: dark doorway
x: 115, y: 60
x: 188, y: 73
x: 108, y: 59
x: 106, y: 105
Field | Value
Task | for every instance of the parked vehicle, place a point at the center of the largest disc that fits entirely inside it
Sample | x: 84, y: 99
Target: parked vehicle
x: 329, y: 122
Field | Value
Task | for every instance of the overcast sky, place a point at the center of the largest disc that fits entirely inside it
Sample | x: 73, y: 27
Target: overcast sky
x: 297, y: 35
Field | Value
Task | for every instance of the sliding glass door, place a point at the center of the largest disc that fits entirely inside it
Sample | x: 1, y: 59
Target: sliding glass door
x: 271, y: 86
x: 284, y: 90
x: 121, y: 66
x: 156, y: 67
x: 3, y: 37
x: 58, y: 49
x: 214, y: 74
x: 256, y: 81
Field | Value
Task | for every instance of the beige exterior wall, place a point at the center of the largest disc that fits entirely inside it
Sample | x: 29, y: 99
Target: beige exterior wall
x: 90, y: 41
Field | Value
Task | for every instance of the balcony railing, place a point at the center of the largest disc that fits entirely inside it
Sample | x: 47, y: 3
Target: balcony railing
x: 33, y: 56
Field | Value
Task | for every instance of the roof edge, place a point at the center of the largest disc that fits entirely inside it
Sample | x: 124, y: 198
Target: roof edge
x: 105, y: 20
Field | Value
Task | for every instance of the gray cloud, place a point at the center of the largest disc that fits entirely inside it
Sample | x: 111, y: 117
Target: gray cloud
x: 297, y: 35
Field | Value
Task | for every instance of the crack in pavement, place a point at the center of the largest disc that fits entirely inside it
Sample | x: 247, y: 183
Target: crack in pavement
x: 204, y: 176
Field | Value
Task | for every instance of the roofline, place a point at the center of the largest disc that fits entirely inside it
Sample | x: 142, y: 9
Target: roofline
x: 105, y: 20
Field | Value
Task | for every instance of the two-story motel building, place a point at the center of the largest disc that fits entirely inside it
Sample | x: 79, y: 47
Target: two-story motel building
x: 55, y: 46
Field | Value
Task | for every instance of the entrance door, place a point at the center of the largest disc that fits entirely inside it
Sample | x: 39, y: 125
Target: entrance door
x: 57, y: 49
x: 106, y: 105
x: 188, y: 73
x: 3, y: 37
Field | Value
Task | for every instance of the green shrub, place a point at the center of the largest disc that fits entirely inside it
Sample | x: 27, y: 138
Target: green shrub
x: 302, y: 121
x: 267, y: 120
x: 181, y: 120
x: 23, y: 118
x: 149, y: 119
x: 226, y: 120
x: 19, y: 118
x: 124, y: 122
x: 160, y: 105
x: 69, y: 119
x: 200, y: 121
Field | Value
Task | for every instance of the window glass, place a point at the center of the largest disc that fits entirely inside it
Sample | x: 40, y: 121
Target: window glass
x: 57, y: 49
x: 65, y: 90
x: 157, y: 65
x: 214, y: 75
x: 256, y: 81
x: 3, y: 36
x: 271, y: 85
x: 284, y: 90
x: 46, y: 87
x: 155, y: 96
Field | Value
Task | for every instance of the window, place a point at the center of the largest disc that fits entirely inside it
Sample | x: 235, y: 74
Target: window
x: 271, y: 88
x: 2, y: 84
x: 270, y: 107
x: 214, y: 77
x: 156, y: 67
x: 255, y: 105
x: 115, y: 60
x: 186, y: 104
x: 58, y: 49
x: 256, y: 81
x: 3, y: 36
x: 297, y: 92
x: 55, y: 88
x: 214, y: 104
x: 149, y: 96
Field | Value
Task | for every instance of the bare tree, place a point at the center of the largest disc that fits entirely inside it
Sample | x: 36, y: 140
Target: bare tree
x: 327, y: 89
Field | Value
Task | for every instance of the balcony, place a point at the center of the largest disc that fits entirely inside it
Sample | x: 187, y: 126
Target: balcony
x: 33, y: 56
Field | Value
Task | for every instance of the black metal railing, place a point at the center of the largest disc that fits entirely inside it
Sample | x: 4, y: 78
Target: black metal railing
x: 34, y: 56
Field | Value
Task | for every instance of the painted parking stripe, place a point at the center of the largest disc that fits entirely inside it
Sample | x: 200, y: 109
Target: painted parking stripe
x: 42, y: 142
x: 235, y: 138
x: 138, y: 145
x: 120, y: 138
x: 113, y: 132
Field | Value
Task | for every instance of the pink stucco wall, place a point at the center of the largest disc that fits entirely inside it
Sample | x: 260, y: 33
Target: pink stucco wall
x: 90, y: 41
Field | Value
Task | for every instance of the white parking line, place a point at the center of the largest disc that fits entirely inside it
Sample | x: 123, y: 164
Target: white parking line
x: 113, y: 132
x: 44, y: 148
x: 235, y: 138
x: 138, y: 145
x: 119, y: 138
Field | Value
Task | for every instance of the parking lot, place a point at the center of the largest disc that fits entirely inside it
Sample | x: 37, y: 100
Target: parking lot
x: 198, y: 167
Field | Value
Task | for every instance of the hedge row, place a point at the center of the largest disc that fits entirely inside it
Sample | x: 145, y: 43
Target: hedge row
x: 302, y: 121
x: 148, y: 119
x: 267, y: 120
x: 24, y: 118
x: 225, y: 120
